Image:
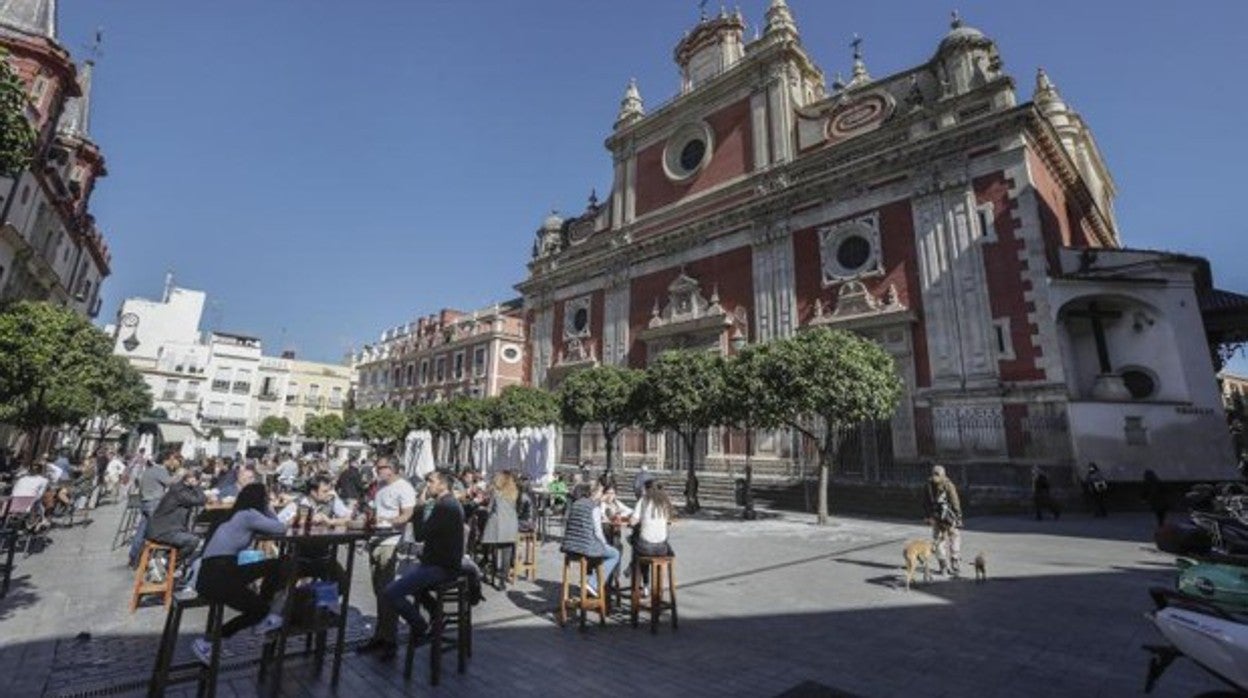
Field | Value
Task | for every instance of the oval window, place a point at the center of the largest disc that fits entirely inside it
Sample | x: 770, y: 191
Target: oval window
x: 853, y: 252
x: 581, y: 319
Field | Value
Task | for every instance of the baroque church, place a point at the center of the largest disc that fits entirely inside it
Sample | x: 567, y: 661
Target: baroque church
x: 967, y: 228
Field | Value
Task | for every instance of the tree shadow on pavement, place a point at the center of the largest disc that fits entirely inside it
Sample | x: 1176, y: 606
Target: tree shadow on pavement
x: 21, y: 595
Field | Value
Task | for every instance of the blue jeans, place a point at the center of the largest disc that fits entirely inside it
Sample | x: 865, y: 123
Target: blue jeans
x: 416, y: 583
x: 140, y: 532
x: 609, y: 562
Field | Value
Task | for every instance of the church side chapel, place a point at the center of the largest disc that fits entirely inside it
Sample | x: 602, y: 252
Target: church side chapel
x: 967, y: 228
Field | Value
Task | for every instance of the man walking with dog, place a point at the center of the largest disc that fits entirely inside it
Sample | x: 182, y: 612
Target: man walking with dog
x: 944, y: 513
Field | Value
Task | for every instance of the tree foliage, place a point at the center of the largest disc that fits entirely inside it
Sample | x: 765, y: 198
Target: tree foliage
x: 683, y: 391
x: 746, y: 403
x: 55, y: 368
x: 835, y: 378
x: 122, y: 397
x: 328, y: 428
x: 382, y: 425
x: 602, y: 395
x: 273, y: 426
x: 17, y: 137
x: 520, y: 406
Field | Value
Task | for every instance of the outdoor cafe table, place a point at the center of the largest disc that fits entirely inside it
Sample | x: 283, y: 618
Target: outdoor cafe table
x: 288, y: 545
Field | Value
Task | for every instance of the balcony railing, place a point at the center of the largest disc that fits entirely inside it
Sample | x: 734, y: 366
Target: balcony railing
x: 220, y: 386
x: 224, y: 421
x: 241, y: 387
x: 267, y: 396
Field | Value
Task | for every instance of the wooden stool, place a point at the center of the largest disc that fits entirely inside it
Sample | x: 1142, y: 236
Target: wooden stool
x: 657, y: 565
x: 204, y: 676
x: 585, y: 602
x: 142, y: 587
x: 453, y: 593
x: 525, y: 563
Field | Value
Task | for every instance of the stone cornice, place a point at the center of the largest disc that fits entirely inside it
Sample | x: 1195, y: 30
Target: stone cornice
x: 1049, y: 148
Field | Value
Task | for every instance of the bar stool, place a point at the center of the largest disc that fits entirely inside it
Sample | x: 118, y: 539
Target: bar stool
x: 526, y: 557
x: 658, y: 564
x: 151, y: 551
x: 204, y: 676
x: 454, y: 594
x: 584, y: 602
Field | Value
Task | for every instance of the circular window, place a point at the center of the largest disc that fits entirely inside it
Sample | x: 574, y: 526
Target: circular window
x: 687, y: 151
x: 581, y: 319
x: 853, y: 252
x: 511, y: 353
x: 1140, y: 383
x: 691, y: 155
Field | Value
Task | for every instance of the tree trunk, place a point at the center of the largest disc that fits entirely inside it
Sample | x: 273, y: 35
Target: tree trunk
x: 692, y: 505
x: 610, y: 447
x: 827, y: 454
x: 748, y: 513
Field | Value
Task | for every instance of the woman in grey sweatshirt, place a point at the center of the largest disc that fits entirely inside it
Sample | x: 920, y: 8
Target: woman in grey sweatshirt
x: 222, y: 579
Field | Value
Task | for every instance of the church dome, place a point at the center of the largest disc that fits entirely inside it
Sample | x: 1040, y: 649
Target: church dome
x: 960, y: 34
x: 552, y: 222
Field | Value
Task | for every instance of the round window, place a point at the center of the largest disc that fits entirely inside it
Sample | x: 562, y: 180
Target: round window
x: 687, y: 151
x: 1140, y: 384
x: 853, y: 252
x: 691, y: 155
x: 581, y: 319
x: 511, y: 353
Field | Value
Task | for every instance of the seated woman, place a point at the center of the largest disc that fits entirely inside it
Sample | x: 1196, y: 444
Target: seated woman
x: 650, y: 520
x: 501, y: 527
x: 612, y: 507
x: 222, y: 579
x: 583, y: 534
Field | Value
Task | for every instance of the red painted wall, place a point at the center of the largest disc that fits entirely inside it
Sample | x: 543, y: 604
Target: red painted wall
x: 733, y: 271
x: 732, y: 157
x: 900, y: 269
x: 1062, y: 220
x: 1004, y: 271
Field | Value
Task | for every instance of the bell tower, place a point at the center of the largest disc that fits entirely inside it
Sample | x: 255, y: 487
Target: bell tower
x: 710, y: 48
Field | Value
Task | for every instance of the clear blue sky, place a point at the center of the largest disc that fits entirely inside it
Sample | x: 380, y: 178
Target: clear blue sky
x: 326, y: 169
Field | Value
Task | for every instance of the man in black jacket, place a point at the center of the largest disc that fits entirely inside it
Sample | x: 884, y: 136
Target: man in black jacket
x: 350, y: 484
x: 440, y: 558
x: 171, y: 521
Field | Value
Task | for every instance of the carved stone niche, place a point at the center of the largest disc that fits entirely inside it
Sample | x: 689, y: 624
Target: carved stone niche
x: 857, y: 308
x: 688, y: 319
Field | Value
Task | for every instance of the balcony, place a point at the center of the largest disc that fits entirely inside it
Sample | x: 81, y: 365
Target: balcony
x: 219, y: 386
x: 241, y: 387
x: 268, y: 397
x: 224, y: 422
x: 291, y: 399
x: 312, y: 401
x: 169, y: 395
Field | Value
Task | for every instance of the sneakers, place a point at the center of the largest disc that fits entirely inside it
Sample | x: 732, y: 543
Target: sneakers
x: 202, y: 649
x: 270, y: 623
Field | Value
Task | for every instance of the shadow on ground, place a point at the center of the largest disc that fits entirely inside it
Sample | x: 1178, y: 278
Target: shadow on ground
x: 1065, y: 634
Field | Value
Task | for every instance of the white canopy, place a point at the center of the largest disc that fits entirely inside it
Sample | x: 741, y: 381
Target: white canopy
x: 528, y: 451
x: 418, y: 454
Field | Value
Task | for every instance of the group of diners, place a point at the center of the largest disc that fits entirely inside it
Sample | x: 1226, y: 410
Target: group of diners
x: 596, y: 517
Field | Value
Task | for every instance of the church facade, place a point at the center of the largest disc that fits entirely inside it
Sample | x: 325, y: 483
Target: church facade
x: 968, y: 230
x: 50, y: 246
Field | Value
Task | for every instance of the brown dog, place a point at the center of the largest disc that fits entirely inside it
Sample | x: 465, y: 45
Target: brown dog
x: 918, y: 552
x: 981, y: 567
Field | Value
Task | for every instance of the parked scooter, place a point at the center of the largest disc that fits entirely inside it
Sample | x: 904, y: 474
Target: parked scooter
x: 1213, y: 638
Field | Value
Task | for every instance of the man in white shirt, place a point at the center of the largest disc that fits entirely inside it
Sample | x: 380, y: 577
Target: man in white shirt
x: 112, y: 474
x: 54, y: 471
x: 287, y: 472
x: 395, y: 502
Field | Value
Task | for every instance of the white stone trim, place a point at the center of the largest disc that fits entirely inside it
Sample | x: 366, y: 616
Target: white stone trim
x: 573, y: 306
x: 1026, y: 218
x: 615, y: 338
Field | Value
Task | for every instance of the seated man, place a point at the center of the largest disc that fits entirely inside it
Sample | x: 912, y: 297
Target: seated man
x: 583, y: 534
x: 171, y: 521
x: 327, y: 510
x: 235, y: 479
x: 441, y: 556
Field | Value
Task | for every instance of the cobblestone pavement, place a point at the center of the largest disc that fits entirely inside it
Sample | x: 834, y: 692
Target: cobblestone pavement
x: 767, y: 608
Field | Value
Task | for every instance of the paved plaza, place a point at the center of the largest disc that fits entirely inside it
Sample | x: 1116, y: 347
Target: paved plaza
x: 768, y: 608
